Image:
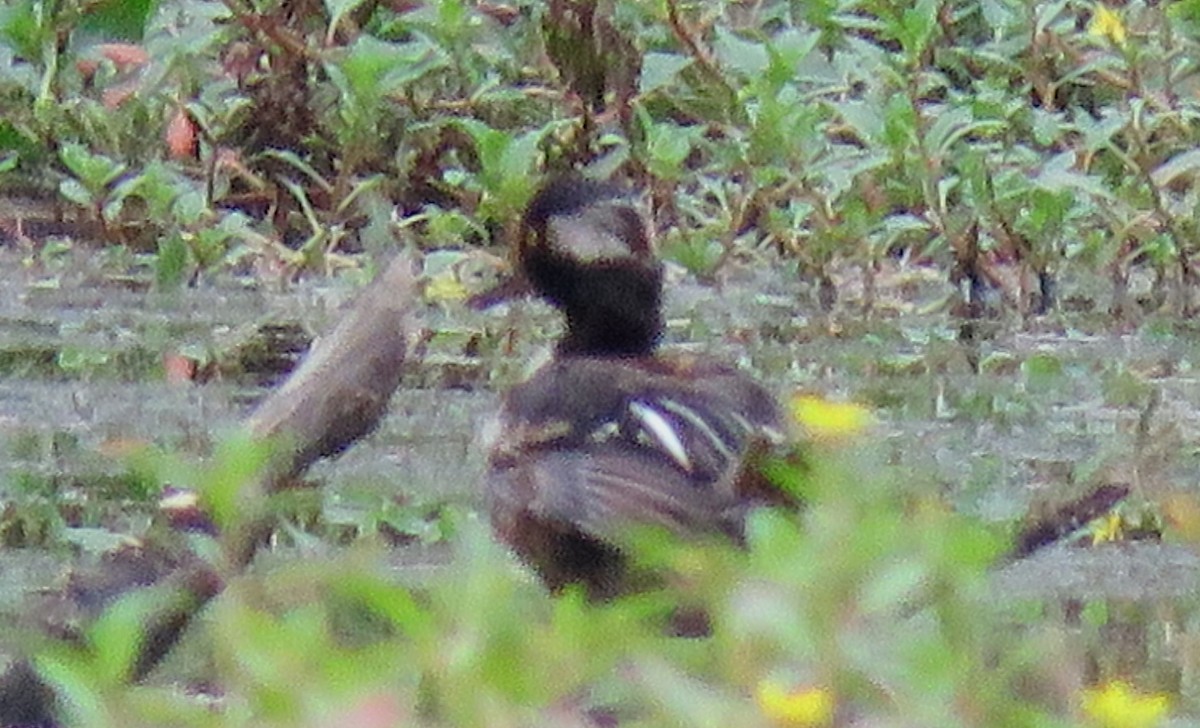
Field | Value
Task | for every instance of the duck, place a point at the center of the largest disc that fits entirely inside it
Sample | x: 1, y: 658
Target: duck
x: 612, y: 434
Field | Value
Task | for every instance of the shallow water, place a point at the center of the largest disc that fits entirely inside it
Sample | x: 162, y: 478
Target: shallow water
x: 82, y: 353
x: 1056, y: 407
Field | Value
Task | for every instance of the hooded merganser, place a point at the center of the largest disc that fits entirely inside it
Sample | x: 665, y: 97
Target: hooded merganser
x: 609, y: 435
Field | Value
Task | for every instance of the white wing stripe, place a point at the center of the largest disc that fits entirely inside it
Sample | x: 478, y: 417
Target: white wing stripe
x: 663, y: 432
x: 701, y: 424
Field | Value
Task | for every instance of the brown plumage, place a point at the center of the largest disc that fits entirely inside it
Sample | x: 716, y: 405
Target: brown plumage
x: 609, y: 436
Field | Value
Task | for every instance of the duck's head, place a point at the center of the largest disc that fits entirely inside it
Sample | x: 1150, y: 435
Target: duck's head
x: 586, y: 221
x: 585, y: 248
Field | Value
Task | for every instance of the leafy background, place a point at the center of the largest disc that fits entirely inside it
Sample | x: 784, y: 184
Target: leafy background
x: 1036, y: 159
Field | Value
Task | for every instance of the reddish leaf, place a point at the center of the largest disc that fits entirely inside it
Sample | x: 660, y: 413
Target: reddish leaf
x: 124, y: 55
x: 179, y: 369
x: 117, y: 95
x: 181, y: 136
x: 87, y: 67
x: 381, y: 710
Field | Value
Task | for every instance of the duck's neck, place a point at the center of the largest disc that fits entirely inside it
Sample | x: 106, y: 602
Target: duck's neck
x: 590, y: 334
x: 611, y: 309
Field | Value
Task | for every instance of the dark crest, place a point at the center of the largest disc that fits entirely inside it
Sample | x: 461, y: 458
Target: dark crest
x: 586, y: 251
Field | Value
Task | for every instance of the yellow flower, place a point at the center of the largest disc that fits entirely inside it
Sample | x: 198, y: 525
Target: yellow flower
x: 1117, y: 705
x: 1107, y: 23
x: 1108, y: 528
x: 823, y: 419
x: 795, y: 708
x: 443, y: 287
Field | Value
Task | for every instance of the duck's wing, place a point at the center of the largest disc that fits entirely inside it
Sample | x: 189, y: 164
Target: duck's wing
x: 704, y: 432
x: 700, y: 420
x: 604, y: 445
x: 605, y: 490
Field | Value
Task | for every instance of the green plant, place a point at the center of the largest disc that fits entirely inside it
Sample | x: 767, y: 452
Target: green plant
x: 875, y: 601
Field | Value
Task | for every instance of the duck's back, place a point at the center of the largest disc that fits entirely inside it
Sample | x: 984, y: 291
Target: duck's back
x: 592, y: 446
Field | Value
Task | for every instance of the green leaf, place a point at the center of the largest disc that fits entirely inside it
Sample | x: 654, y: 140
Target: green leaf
x: 1048, y: 209
x: 75, y: 192
x: 520, y: 155
x: 14, y: 139
x: 94, y: 171
x: 900, y: 122
x: 866, y: 118
x: 159, y: 186
x: 393, y: 601
x: 9, y: 161
x: 229, y: 488
x: 117, y: 636
x: 746, y: 57
x: 1185, y: 11
x: 337, y: 9
x: 660, y: 69
x: 452, y: 17
x: 917, y: 25
x: 80, y: 698
x: 112, y: 208
x: 950, y: 125
x: 374, y: 68
x: 786, y: 50
x: 1096, y: 613
x: 668, y: 145
x: 119, y: 19
x: 189, y: 207
x: 208, y: 246
x: 81, y: 360
x: 1185, y: 163
x: 1049, y: 14
x: 698, y: 253
x: 840, y: 170
x: 21, y: 30
x: 1043, y: 373
x: 1097, y: 133
x: 999, y: 14
x: 794, y: 44
x: 507, y: 161
x: 290, y: 157
x: 170, y: 266
x: 895, y: 584
x: 1048, y: 126
x: 1059, y: 174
